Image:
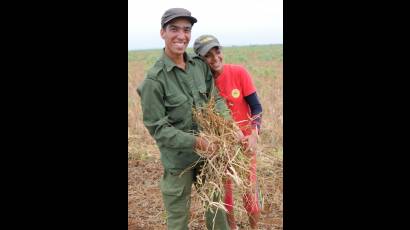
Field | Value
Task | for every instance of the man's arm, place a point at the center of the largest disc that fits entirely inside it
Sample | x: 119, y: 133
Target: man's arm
x: 156, y: 120
x: 220, y: 103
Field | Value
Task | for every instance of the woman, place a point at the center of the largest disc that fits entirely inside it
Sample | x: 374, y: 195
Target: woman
x: 235, y: 85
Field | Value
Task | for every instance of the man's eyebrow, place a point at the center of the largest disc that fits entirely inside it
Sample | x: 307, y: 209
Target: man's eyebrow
x: 184, y: 27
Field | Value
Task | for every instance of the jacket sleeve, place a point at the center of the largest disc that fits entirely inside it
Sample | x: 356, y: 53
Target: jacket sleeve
x: 220, y: 103
x: 156, y: 120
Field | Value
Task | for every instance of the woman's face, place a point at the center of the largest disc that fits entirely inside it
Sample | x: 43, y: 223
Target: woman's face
x: 214, y: 58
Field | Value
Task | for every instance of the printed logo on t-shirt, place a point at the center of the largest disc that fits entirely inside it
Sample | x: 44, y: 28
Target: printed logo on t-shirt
x: 235, y: 93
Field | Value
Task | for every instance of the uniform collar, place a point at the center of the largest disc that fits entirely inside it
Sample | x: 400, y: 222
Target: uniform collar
x: 169, y: 64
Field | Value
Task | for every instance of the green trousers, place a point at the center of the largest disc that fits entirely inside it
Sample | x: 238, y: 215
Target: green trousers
x: 176, y: 194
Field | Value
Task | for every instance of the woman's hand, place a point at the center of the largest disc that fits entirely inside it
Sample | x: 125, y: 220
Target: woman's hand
x: 251, y: 143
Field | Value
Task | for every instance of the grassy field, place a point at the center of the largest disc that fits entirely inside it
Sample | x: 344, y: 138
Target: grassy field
x: 145, y: 209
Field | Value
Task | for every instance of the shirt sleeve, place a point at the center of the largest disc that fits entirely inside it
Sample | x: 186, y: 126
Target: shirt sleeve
x: 256, y: 110
x: 156, y: 120
x: 246, y: 81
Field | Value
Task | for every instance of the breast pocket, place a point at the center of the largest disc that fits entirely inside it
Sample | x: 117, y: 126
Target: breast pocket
x: 175, y: 100
x: 177, y: 107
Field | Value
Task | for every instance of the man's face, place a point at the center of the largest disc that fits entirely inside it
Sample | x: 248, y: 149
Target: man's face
x: 214, y: 58
x: 177, y: 35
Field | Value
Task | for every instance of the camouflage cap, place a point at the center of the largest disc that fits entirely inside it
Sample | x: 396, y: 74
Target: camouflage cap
x: 176, y: 13
x: 204, y: 43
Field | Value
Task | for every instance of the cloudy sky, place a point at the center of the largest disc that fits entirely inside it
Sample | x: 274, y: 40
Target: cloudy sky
x: 236, y: 22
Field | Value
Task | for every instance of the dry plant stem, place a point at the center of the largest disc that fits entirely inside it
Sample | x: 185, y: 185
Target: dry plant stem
x: 230, y: 160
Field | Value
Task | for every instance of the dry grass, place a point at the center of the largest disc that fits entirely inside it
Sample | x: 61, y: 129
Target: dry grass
x: 140, y: 144
x: 230, y: 160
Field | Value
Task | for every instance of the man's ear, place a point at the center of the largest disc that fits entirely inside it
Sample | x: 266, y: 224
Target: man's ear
x: 162, y: 33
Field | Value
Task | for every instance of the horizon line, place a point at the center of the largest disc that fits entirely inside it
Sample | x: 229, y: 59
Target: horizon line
x: 190, y: 47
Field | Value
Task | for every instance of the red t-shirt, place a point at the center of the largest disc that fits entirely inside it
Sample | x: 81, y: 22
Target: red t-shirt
x: 235, y: 83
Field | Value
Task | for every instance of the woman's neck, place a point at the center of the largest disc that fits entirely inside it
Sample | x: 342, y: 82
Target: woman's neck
x: 216, y: 74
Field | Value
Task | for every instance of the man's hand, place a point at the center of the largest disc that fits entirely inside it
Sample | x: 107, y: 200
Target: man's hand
x: 205, y: 147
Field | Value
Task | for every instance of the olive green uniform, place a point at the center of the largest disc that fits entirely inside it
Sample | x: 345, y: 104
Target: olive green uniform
x: 168, y: 94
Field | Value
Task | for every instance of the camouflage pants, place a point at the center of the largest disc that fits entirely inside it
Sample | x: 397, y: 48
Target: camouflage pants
x: 176, y: 194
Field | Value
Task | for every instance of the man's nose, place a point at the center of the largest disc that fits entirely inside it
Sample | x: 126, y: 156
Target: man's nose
x: 181, y: 34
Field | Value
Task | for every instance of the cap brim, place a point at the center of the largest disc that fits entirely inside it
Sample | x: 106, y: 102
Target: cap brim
x: 207, y: 48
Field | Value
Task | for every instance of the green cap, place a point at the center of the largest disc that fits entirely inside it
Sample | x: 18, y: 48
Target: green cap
x: 204, y: 43
x: 176, y: 13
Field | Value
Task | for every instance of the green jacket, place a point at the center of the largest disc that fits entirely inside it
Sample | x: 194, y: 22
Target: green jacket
x: 168, y: 95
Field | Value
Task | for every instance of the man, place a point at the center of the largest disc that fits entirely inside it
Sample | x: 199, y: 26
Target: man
x: 236, y: 86
x: 173, y: 86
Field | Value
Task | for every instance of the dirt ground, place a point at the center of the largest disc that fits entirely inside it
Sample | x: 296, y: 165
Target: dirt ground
x: 146, y: 211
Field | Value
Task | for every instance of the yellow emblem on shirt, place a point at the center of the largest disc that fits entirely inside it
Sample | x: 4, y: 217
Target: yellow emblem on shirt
x: 235, y: 93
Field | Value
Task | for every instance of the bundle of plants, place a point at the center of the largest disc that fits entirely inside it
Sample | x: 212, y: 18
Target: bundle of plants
x: 229, y: 161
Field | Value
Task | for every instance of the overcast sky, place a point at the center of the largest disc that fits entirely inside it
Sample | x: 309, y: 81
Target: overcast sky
x: 236, y: 22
